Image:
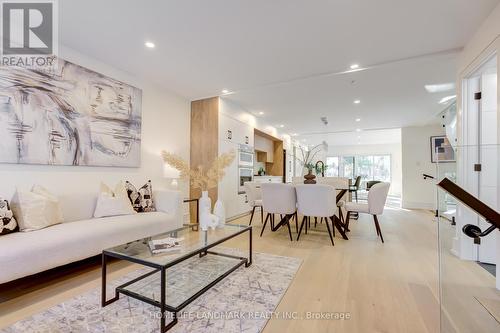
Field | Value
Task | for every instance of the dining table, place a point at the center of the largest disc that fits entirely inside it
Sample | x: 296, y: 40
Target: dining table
x: 337, y: 223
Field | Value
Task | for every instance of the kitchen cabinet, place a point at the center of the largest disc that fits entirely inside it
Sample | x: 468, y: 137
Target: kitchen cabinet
x: 235, y: 131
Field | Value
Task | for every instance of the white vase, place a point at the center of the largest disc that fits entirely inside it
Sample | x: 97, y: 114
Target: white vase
x: 220, y: 212
x: 205, y: 205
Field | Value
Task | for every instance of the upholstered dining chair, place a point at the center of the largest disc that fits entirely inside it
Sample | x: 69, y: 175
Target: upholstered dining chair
x: 377, y: 197
x: 254, y: 196
x: 280, y: 199
x: 318, y: 201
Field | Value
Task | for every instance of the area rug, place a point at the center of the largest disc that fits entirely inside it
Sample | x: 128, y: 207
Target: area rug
x: 242, y: 302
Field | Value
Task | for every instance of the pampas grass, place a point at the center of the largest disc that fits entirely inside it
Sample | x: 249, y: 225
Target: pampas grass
x: 197, y: 176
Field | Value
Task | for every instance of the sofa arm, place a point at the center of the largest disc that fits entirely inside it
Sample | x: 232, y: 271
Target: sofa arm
x: 170, y: 202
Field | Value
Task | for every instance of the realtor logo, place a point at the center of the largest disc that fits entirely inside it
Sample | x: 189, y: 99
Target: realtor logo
x: 29, y: 34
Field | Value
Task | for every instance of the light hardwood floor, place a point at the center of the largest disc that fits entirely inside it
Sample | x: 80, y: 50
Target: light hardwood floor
x: 391, y: 287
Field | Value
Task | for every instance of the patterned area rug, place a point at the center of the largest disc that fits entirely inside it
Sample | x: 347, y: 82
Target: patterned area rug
x: 242, y: 302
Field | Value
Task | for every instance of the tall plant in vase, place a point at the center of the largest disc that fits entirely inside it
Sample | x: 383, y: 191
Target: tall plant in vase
x: 307, y: 158
x: 204, y: 180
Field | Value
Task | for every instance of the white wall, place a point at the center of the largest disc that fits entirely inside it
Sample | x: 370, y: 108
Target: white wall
x: 416, y: 160
x: 392, y: 149
x: 165, y: 125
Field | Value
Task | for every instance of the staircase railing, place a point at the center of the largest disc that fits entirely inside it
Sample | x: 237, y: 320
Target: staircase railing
x: 489, y: 214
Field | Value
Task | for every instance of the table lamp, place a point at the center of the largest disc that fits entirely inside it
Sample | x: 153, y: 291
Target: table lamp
x: 171, y: 173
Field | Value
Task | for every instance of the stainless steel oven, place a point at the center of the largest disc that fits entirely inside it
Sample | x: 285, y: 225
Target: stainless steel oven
x: 245, y: 156
x: 245, y: 174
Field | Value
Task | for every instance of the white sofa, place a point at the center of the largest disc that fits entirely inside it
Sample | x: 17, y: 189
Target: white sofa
x: 81, y: 236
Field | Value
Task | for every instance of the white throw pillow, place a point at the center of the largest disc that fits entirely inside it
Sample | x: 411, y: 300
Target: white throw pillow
x: 113, y: 203
x: 36, y: 210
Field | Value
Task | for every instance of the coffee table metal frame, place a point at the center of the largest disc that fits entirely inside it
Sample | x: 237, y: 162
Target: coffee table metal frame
x: 162, y: 304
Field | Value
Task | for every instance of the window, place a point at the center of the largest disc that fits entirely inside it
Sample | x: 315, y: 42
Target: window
x: 369, y: 167
x: 332, y: 166
x: 348, y: 166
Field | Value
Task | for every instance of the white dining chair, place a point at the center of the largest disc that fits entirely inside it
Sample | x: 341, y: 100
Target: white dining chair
x: 254, y: 197
x: 280, y: 199
x: 377, y: 197
x: 317, y: 201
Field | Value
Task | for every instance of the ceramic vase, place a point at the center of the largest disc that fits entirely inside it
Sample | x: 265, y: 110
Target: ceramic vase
x: 309, y: 178
x: 220, y: 212
x: 205, y: 205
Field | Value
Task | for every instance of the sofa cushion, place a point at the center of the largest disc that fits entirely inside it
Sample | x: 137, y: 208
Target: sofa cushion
x: 36, y: 251
x: 8, y: 223
x: 142, y: 198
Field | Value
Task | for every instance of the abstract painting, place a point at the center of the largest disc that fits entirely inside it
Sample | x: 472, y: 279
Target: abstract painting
x: 441, y: 150
x: 71, y: 116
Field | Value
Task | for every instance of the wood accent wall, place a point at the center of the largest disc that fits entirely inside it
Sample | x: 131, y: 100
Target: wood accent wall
x: 277, y: 165
x: 204, y: 142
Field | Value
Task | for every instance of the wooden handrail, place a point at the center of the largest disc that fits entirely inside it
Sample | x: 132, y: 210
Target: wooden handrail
x: 479, y: 207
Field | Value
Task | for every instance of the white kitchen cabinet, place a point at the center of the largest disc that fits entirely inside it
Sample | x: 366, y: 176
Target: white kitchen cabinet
x: 235, y: 131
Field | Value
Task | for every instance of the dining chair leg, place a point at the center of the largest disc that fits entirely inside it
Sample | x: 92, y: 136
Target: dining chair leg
x: 347, y: 217
x: 264, y: 226
x: 308, y: 220
x: 377, y: 225
x: 315, y: 221
x: 289, y: 229
x: 333, y: 231
x: 341, y: 216
x: 251, y: 217
x: 261, y: 214
x: 272, y: 221
x: 330, y: 232
x: 296, y: 223
x: 304, y: 219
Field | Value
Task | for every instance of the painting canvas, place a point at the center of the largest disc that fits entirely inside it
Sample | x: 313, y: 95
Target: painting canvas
x: 441, y: 150
x: 72, y: 116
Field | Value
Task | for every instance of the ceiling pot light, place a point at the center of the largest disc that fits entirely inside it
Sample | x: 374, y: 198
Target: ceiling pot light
x: 358, y: 129
x: 354, y: 66
x: 150, y: 45
x: 261, y: 113
x: 358, y: 120
x: 281, y: 126
x: 357, y: 101
x: 225, y: 91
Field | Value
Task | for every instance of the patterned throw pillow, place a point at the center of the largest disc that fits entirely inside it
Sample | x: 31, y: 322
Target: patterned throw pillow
x: 141, y: 199
x: 8, y: 223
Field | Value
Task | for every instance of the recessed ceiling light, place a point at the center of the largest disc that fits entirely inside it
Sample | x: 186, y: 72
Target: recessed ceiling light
x: 225, y: 91
x: 358, y: 129
x: 281, y: 126
x: 261, y: 113
x: 354, y: 66
x: 357, y: 101
x: 150, y: 45
x: 359, y: 137
x: 294, y: 134
x: 358, y: 119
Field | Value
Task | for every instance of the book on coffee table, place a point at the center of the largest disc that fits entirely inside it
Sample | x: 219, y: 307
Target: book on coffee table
x: 165, y: 245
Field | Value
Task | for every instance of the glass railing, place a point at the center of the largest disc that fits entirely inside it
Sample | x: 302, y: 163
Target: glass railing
x: 469, y: 286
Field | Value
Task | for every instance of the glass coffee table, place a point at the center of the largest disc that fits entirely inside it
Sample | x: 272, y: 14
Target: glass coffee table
x: 177, y: 278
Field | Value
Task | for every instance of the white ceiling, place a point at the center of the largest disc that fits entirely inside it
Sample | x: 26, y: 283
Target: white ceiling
x: 204, y: 46
x: 391, y: 96
x: 370, y: 137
